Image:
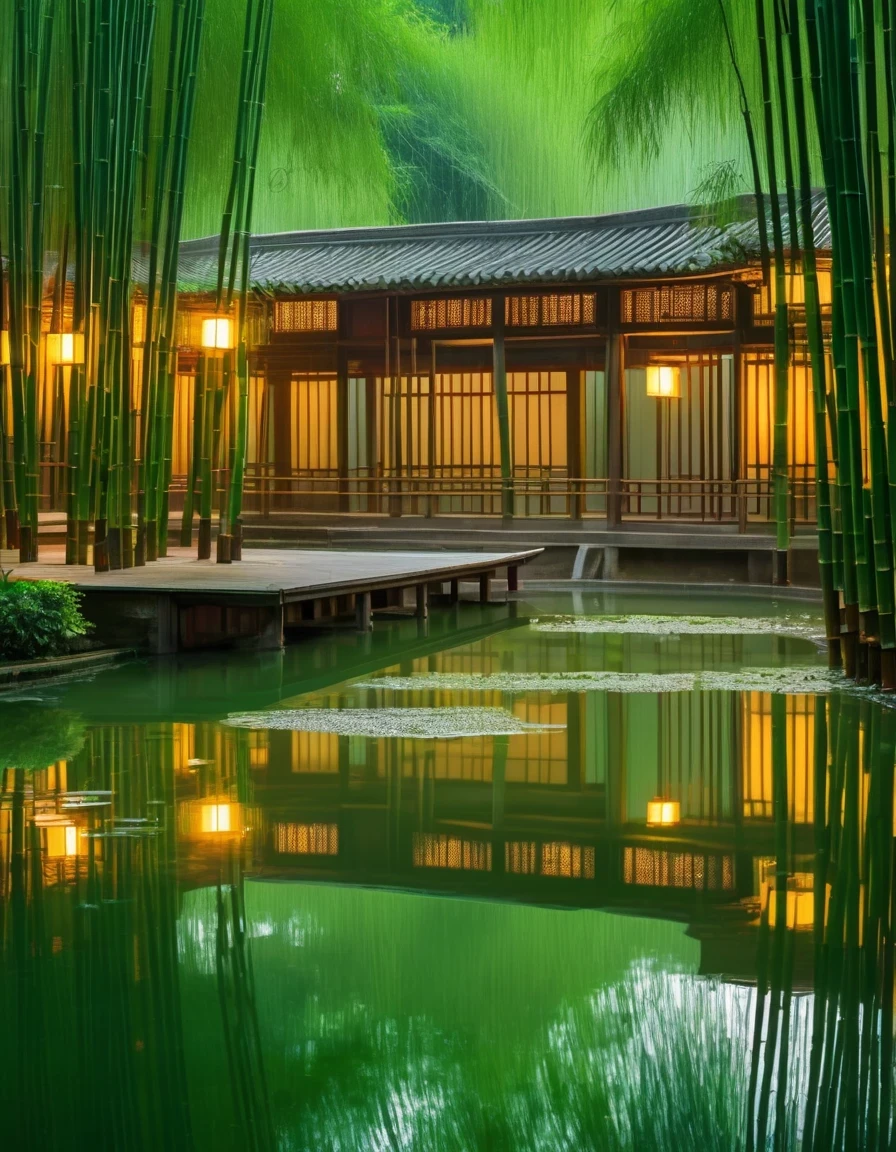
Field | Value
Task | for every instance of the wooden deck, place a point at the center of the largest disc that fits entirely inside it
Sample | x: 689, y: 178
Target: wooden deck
x: 180, y: 602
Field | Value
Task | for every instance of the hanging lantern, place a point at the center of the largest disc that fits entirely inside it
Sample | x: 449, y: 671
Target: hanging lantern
x: 664, y: 381
x: 65, y: 348
x: 217, y: 334
x: 663, y: 813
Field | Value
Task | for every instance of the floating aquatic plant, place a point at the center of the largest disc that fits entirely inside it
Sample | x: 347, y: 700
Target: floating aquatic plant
x: 803, y: 627
x: 417, y: 723
x: 790, y: 681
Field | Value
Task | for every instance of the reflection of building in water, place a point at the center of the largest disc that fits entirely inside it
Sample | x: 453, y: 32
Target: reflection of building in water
x: 566, y: 813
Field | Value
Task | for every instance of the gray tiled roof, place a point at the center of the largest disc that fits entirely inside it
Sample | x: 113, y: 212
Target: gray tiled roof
x: 630, y: 245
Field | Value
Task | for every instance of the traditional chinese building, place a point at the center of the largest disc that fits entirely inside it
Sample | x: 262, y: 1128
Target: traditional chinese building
x: 615, y: 369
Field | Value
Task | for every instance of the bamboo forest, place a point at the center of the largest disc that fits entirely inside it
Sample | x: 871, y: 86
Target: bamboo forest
x: 447, y: 575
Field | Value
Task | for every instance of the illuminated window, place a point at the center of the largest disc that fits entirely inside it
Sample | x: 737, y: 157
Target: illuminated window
x: 558, y: 309
x: 305, y: 315
x: 307, y: 839
x: 570, y: 860
x: 659, y: 868
x: 432, y: 850
x: 764, y: 296
x: 259, y: 752
x: 451, y: 312
x: 678, y: 303
x: 519, y: 857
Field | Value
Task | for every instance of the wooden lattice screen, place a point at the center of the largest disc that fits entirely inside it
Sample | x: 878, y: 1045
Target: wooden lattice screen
x: 661, y: 868
x: 678, y: 303
x: 305, y: 315
x: 546, y: 310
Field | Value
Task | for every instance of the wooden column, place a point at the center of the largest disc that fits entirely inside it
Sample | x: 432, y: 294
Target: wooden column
x: 575, y: 442
x: 502, y: 403
x: 342, y: 429
x: 280, y: 384
x: 393, y: 369
x: 613, y: 369
x: 371, y: 422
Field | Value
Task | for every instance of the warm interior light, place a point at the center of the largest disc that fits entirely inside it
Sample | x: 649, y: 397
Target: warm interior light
x: 61, y: 839
x: 216, y: 333
x: 65, y: 347
x: 663, y: 813
x: 663, y: 380
x: 216, y: 818
x: 4, y: 348
x: 799, y: 904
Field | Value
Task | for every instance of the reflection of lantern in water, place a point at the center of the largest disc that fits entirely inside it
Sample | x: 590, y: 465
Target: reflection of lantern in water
x: 799, y: 896
x: 61, y: 838
x: 663, y: 813
x: 216, y: 818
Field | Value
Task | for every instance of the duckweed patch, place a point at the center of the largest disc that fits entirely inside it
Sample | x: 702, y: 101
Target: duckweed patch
x: 791, y: 681
x: 803, y: 627
x: 416, y: 723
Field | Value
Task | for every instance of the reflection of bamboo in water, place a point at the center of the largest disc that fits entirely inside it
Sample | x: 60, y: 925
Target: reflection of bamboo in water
x: 239, y: 1018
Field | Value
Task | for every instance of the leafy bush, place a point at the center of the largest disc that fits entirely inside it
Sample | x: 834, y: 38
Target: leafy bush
x: 33, y: 736
x: 38, y: 618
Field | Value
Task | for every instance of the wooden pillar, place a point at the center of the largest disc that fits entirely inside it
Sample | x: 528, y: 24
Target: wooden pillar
x: 613, y: 370
x: 363, y: 612
x: 342, y: 429
x: 485, y: 587
x: 393, y: 371
x: 422, y: 601
x: 280, y: 384
x: 502, y: 403
x: 513, y: 578
x: 575, y: 442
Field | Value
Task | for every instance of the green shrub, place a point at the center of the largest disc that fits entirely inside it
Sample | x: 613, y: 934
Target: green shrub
x: 33, y: 736
x: 38, y: 618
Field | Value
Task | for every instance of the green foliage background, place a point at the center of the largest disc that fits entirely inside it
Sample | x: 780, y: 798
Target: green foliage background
x: 384, y: 111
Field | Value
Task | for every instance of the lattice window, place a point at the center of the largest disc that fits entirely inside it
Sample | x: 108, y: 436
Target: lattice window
x: 659, y: 868
x: 307, y: 839
x: 451, y: 312
x: 433, y: 850
x: 571, y: 860
x: 304, y: 315
x: 519, y: 857
x: 679, y: 303
x: 559, y: 309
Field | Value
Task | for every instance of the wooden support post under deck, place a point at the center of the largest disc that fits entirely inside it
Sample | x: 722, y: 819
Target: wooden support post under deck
x: 513, y: 578
x: 502, y: 403
x: 485, y: 587
x: 454, y: 594
x: 613, y: 369
x: 363, y: 612
x: 422, y: 602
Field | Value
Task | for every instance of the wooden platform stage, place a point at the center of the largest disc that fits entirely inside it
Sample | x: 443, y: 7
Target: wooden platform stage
x: 180, y: 603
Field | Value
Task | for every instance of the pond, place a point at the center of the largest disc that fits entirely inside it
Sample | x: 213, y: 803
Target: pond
x: 591, y: 873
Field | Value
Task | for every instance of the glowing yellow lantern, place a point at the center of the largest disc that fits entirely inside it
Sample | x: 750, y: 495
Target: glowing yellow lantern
x: 663, y: 381
x: 61, y: 837
x: 799, y: 900
x: 217, y: 334
x: 4, y: 348
x: 663, y: 813
x: 65, y: 348
x: 216, y: 818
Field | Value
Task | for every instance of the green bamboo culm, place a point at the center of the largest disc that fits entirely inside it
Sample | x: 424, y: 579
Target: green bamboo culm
x: 234, y: 256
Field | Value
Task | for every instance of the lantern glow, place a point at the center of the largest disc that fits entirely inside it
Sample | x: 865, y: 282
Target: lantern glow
x: 217, y: 333
x: 65, y: 348
x: 663, y: 381
x: 4, y: 348
x: 216, y: 818
x: 663, y: 813
x: 799, y: 902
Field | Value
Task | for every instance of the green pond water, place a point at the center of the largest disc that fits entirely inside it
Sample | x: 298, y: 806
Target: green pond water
x: 590, y: 872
